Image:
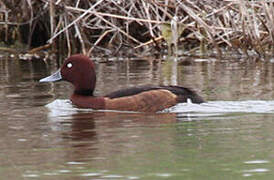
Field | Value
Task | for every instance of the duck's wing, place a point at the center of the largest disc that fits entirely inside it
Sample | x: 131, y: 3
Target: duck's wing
x: 182, y: 93
x: 145, y: 101
x: 130, y: 91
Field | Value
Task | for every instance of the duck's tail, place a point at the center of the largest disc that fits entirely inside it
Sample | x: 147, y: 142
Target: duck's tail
x: 184, y: 94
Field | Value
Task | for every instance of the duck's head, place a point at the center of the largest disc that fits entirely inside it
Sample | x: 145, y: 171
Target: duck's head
x: 78, y: 70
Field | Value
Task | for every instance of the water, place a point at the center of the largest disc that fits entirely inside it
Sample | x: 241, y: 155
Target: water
x: 231, y: 136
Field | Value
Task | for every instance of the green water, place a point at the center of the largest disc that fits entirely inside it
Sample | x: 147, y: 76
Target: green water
x: 59, y: 141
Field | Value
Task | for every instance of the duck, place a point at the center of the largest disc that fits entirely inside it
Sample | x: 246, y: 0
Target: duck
x: 79, y: 70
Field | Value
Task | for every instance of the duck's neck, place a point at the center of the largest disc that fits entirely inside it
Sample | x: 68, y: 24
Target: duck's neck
x: 84, y: 92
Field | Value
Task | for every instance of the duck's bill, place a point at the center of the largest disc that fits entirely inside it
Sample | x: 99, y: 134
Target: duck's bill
x: 54, y: 77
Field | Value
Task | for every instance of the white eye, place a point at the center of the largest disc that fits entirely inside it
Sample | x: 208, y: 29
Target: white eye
x: 69, y: 65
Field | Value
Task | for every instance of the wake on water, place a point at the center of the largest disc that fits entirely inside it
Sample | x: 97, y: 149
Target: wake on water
x: 211, y: 108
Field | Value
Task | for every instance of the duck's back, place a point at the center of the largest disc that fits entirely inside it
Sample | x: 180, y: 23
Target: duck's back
x: 182, y: 93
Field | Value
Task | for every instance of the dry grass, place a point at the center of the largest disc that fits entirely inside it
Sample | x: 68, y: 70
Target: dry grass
x: 131, y: 27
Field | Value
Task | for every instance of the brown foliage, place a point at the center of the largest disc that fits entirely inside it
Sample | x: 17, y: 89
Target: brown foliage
x: 109, y: 26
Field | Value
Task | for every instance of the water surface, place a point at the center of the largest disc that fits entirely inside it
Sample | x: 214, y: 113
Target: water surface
x: 230, y: 137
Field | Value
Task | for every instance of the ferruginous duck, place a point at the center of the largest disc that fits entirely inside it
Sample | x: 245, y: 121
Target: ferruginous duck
x: 79, y: 70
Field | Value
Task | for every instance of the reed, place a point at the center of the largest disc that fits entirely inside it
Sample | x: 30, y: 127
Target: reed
x: 136, y: 27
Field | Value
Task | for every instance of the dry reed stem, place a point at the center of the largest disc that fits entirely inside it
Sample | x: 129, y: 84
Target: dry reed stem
x: 246, y: 26
x: 115, y: 16
x: 149, y: 42
x: 34, y: 50
x: 72, y: 23
x: 98, y: 40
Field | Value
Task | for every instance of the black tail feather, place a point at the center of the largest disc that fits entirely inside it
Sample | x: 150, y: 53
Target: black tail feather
x: 184, y: 94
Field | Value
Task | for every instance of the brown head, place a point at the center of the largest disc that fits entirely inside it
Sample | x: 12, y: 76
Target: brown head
x: 78, y: 70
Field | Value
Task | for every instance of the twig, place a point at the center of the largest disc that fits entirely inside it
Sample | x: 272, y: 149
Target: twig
x: 115, y: 15
x: 98, y: 40
x: 149, y: 42
x: 10, y: 50
x: 34, y: 50
x: 79, y: 18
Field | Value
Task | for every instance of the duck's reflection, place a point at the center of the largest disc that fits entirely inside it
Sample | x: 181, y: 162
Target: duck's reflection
x: 82, y: 127
x: 94, y: 137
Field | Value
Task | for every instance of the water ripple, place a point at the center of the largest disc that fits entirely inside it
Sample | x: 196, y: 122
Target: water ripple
x: 257, y: 170
x: 255, y: 106
x: 256, y: 162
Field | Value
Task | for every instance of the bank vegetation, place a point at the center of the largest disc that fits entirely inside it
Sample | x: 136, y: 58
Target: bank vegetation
x: 138, y: 27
